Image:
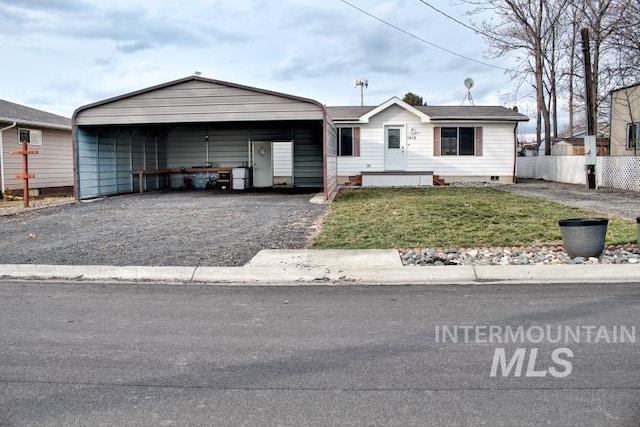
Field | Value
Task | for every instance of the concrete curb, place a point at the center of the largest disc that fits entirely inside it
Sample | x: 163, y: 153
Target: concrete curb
x: 296, y: 276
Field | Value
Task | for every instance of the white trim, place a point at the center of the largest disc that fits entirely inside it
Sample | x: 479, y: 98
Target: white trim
x: 2, y: 156
x: 395, y: 101
x: 35, y: 136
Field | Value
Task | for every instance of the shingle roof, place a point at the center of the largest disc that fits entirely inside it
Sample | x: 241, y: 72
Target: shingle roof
x: 348, y: 113
x: 12, y: 112
x: 438, y: 113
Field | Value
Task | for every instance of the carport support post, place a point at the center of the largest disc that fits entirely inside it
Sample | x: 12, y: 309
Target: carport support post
x: 25, y: 175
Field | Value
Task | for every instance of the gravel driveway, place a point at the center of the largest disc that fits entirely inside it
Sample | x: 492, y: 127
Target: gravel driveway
x: 608, y: 201
x: 184, y: 229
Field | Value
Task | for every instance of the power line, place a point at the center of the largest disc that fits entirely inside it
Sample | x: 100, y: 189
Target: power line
x: 421, y: 39
x: 475, y: 30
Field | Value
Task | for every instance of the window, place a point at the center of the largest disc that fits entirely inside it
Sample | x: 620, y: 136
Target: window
x: 348, y: 141
x: 633, y: 136
x: 458, y: 141
x: 30, y: 136
x: 393, y: 138
x: 345, y: 141
x: 449, y: 140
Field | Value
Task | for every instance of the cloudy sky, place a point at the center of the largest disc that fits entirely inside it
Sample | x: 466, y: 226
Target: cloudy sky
x: 62, y: 54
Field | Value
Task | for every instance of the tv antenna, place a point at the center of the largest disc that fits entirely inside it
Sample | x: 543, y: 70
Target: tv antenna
x: 363, y: 83
x: 468, y: 83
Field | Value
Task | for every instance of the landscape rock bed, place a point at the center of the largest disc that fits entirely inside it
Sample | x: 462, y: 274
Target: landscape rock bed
x: 545, y: 255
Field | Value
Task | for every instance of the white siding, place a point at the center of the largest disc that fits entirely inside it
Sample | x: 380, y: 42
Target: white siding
x: 282, y: 159
x: 53, y: 165
x: 196, y: 102
x: 497, y: 154
x: 372, y: 141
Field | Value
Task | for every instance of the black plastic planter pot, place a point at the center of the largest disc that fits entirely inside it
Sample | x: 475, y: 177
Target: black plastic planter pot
x: 583, y: 237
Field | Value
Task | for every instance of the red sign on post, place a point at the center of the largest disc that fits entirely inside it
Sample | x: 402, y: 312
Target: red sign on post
x: 25, y: 175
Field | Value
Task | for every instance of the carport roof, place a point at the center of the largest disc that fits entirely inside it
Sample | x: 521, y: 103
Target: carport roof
x: 201, y: 79
x: 11, y: 112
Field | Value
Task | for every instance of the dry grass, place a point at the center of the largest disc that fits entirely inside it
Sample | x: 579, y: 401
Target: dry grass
x: 450, y: 217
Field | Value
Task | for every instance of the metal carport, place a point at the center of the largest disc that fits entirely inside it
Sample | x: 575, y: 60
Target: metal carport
x: 197, y: 121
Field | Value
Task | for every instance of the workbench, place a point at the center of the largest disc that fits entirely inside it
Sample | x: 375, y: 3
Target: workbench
x: 168, y: 172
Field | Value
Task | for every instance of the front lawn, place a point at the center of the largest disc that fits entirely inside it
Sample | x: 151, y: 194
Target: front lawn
x: 449, y: 217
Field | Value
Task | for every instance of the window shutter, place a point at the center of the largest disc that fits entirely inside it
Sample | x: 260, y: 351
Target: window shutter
x: 478, y: 141
x: 436, y: 141
x: 356, y: 142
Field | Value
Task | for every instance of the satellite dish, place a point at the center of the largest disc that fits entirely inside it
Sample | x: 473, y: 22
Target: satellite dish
x: 468, y: 83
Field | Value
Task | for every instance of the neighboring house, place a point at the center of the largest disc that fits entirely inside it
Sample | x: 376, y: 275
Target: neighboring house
x: 625, y: 121
x: 50, y: 135
x: 399, y: 144
x: 574, y: 146
x: 203, y: 123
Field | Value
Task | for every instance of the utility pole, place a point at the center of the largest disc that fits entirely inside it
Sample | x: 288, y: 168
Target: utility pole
x: 363, y: 84
x: 590, y: 148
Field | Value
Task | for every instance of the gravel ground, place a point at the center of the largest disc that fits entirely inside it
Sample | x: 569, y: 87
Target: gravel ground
x: 183, y: 229
x: 609, y: 201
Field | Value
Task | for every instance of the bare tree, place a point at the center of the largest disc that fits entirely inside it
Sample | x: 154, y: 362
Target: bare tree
x: 529, y: 26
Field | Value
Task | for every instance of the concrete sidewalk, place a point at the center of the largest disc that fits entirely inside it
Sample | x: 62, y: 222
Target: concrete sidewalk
x: 335, y: 267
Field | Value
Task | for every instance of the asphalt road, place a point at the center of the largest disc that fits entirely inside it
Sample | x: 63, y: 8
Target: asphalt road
x: 157, y: 355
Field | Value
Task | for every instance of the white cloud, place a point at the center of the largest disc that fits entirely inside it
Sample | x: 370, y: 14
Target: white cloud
x: 64, y: 54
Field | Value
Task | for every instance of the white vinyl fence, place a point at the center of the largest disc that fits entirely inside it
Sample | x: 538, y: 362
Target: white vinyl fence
x: 621, y: 172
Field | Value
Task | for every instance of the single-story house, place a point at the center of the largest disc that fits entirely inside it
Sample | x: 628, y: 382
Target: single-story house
x: 398, y: 144
x: 47, y: 133
x: 205, y: 129
x: 195, y: 128
x: 625, y: 121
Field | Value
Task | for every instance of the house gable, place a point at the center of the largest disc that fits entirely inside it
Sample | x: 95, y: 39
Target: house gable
x: 424, y: 118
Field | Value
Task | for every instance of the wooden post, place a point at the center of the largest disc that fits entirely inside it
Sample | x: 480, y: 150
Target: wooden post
x: 25, y: 175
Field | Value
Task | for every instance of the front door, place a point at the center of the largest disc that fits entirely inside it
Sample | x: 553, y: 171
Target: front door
x: 394, y: 148
x: 262, y: 164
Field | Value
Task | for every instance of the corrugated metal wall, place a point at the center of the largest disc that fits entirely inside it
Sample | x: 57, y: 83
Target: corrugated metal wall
x: 199, y: 101
x: 107, y: 158
x: 86, y: 163
x: 307, y: 156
